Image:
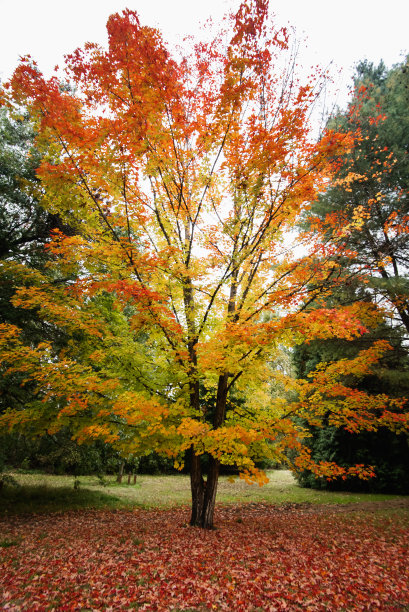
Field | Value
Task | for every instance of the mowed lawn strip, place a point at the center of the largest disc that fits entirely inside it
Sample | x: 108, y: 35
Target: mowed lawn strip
x: 47, y: 493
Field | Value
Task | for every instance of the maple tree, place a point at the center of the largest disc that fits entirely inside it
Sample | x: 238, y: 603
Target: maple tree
x: 182, y: 176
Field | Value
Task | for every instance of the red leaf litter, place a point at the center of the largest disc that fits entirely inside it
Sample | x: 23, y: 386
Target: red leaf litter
x: 260, y: 558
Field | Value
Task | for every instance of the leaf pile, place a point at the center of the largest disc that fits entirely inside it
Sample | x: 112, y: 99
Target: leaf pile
x: 260, y: 558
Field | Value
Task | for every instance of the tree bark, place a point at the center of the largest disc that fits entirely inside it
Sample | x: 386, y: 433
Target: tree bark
x: 121, y: 472
x: 197, y: 486
x: 203, y: 492
x: 207, y: 517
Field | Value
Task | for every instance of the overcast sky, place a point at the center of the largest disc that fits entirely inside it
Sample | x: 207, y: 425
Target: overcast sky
x: 342, y: 31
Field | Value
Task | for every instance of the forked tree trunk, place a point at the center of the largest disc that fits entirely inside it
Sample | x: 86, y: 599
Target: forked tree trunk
x: 203, y: 492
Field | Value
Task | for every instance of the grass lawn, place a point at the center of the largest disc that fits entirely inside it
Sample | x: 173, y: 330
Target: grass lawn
x: 46, y: 493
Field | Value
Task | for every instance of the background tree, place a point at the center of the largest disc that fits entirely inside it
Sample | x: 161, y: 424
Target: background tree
x: 385, y: 450
x: 25, y: 228
x: 365, y: 211
x: 24, y: 225
x: 182, y: 175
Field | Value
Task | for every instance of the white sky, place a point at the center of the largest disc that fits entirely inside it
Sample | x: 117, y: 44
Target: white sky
x: 343, y: 31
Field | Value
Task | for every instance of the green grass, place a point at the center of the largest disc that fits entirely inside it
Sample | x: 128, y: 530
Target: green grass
x: 49, y: 493
x: 51, y: 498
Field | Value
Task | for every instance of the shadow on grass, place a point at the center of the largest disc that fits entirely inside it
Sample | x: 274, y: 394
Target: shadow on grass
x: 41, y: 498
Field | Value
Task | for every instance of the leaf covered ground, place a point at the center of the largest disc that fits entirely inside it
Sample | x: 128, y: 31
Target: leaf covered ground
x: 260, y: 557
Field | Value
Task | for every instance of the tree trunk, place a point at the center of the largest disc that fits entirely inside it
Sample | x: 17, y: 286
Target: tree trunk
x: 209, y: 502
x: 121, y: 472
x: 197, y: 486
x: 203, y: 492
